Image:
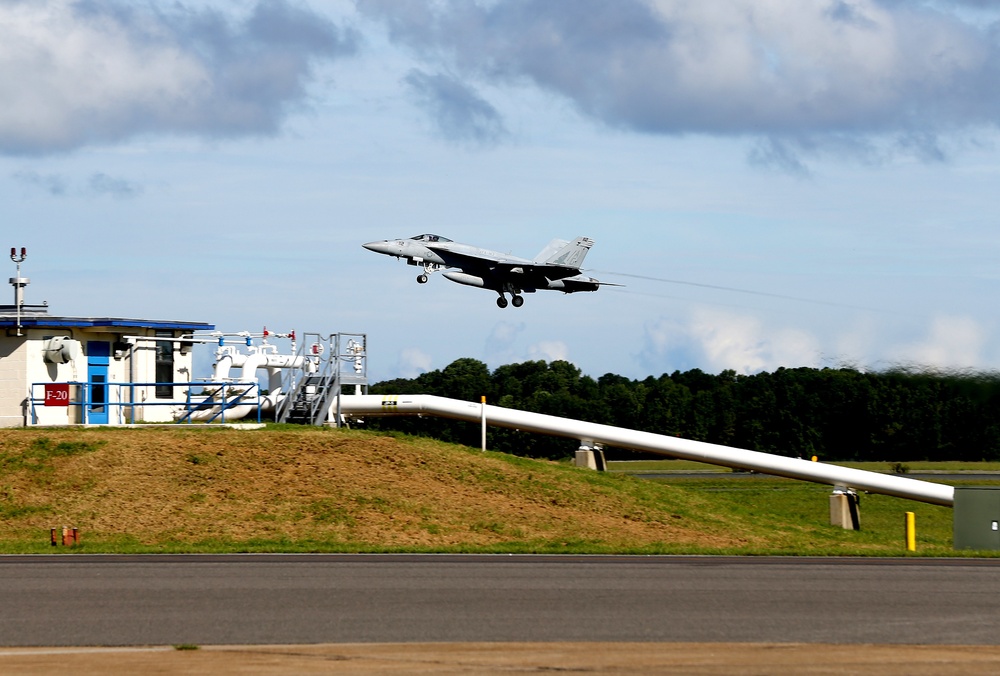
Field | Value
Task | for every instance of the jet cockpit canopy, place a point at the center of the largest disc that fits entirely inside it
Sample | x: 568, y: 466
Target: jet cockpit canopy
x: 431, y: 238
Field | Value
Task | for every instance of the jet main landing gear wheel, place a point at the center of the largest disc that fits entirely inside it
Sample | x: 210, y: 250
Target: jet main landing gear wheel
x: 517, y: 301
x: 501, y: 302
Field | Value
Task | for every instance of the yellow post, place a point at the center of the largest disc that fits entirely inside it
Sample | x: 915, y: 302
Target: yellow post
x: 483, y: 424
x: 911, y: 532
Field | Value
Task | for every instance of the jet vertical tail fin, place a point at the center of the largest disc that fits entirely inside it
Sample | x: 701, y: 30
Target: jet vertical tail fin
x: 550, y: 250
x: 566, y: 254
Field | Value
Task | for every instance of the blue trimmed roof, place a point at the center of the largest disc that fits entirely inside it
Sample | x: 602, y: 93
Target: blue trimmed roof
x: 35, y: 321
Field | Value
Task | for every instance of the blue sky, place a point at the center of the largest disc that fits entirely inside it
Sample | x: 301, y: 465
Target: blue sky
x: 779, y: 183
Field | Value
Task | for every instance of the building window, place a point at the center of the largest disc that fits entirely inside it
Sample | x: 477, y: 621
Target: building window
x: 164, y: 365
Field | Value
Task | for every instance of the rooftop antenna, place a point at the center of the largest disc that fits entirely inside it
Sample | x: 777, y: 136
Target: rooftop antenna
x: 19, y: 283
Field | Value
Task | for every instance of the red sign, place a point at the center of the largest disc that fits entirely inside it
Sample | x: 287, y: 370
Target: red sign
x: 57, y: 394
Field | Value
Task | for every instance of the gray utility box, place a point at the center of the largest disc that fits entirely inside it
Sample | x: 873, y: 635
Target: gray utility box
x: 977, y: 517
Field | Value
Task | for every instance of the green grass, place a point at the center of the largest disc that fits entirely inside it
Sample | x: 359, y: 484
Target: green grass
x: 788, y: 501
x: 772, y: 516
x: 41, y: 452
x: 791, y: 516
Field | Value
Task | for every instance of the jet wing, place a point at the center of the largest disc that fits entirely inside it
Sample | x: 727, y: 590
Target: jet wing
x: 503, y: 267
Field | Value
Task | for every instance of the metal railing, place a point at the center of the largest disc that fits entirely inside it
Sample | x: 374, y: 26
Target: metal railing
x: 217, y: 398
x: 337, y: 359
x: 306, y: 389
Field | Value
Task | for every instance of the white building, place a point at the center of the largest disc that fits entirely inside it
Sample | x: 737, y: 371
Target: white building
x: 58, y: 370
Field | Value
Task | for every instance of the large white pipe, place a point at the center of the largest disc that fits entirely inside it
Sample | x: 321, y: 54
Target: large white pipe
x: 248, y: 374
x: 590, y: 433
x: 225, y: 362
x: 228, y: 358
x: 222, y: 365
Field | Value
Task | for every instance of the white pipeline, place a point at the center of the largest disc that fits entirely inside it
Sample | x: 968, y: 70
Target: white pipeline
x: 592, y: 433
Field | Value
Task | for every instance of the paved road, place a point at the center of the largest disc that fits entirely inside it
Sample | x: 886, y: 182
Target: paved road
x: 136, y: 600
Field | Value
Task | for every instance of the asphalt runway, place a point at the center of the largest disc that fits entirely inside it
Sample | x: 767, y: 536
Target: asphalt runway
x: 66, y: 600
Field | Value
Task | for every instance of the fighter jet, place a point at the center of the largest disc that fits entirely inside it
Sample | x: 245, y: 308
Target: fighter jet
x: 556, y: 267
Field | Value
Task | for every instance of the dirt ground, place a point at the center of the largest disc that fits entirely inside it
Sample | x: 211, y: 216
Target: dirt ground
x: 505, y: 658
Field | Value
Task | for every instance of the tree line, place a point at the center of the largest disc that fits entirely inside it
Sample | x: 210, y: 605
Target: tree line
x: 833, y: 413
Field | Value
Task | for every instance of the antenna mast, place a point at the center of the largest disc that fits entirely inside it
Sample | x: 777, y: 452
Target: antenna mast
x: 19, y: 282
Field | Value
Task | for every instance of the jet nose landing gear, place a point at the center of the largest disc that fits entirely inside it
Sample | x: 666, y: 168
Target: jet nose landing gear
x: 428, y: 269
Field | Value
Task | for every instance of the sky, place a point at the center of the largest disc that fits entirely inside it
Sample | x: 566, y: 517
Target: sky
x: 774, y: 183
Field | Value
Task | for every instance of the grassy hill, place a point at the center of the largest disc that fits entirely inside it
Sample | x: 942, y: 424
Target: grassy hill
x: 311, y: 489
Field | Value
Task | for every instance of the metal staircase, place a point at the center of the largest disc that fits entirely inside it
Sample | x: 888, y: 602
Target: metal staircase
x: 314, y: 390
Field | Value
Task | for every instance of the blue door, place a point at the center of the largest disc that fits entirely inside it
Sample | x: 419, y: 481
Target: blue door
x: 98, y: 358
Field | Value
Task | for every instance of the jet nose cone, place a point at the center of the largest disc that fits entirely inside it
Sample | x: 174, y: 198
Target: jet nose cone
x: 378, y: 247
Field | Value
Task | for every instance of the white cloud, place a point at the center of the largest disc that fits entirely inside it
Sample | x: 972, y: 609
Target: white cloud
x: 460, y: 114
x: 549, y: 350
x: 715, y: 341
x: 98, y: 183
x: 53, y: 184
x: 500, y: 343
x: 854, y: 347
x: 952, y: 343
x: 412, y: 362
x: 74, y: 73
x: 807, y: 75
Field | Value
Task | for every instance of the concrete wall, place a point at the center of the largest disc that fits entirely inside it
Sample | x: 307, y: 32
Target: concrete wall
x: 37, y: 370
x: 13, y: 390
